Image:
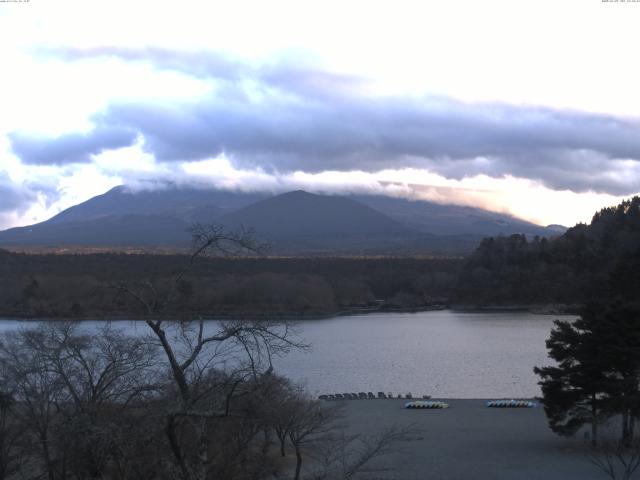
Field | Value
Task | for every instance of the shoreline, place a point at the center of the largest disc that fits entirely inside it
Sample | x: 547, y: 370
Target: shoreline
x: 547, y: 309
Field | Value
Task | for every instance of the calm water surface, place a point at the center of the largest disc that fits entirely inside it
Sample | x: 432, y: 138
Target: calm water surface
x: 440, y: 353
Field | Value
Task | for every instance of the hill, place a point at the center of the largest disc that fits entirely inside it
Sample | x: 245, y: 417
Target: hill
x: 441, y: 219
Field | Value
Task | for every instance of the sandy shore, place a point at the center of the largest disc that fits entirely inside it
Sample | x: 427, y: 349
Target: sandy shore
x: 471, y: 441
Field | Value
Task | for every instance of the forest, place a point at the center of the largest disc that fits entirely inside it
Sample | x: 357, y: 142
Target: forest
x: 588, y: 262
x: 81, y: 286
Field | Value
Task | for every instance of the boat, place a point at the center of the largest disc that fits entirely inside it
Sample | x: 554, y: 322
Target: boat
x: 429, y: 404
x: 511, y: 404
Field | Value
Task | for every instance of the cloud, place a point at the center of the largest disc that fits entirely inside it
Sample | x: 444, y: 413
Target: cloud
x: 72, y: 147
x: 286, y: 116
x: 14, y: 198
x: 290, y: 72
x: 571, y: 151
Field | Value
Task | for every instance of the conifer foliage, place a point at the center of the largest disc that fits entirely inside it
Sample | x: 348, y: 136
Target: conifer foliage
x: 597, y: 375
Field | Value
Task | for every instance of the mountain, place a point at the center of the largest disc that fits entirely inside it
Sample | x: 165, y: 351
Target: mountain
x: 297, y: 223
x: 302, y: 223
x: 440, y: 219
x: 300, y: 214
x: 125, y: 217
x: 188, y: 204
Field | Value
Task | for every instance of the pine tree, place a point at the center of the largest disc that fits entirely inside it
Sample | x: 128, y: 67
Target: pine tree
x: 574, y: 390
x: 598, y: 370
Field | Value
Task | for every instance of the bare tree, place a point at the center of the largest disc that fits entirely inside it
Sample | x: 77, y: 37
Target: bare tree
x: 315, y: 430
x: 617, y: 459
x: 344, y: 456
x: 102, y: 374
x: 37, y: 392
x: 10, y: 434
x: 193, y: 348
x: 310, y: 421
x: 70, y: 390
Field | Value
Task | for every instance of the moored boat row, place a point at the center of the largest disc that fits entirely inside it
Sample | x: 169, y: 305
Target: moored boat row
x: 367, y: 396
x: 491, y: 404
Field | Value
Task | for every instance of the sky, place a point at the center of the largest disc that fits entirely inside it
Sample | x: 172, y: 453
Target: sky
x: 525, y: 107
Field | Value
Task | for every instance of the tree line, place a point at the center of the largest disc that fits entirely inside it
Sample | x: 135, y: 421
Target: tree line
x: 81, y: 286
x: 571, y: 269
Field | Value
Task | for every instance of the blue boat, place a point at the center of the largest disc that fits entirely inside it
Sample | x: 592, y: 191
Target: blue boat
x: 511, y: 404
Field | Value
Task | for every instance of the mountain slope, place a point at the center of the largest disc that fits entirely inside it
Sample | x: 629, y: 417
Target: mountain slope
x: 124, y: 217
x: 183, y: 203
x: 301, y: 223
x: 111, y: 230
x: 300, y: 214
x: 440, y: 219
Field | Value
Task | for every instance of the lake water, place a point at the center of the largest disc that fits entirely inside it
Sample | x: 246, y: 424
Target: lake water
x: 440, y: 353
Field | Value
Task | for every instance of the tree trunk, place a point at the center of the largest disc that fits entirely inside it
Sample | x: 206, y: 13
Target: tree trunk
x: 178, y: 373
x: 203, y: 449
x: 625, y: 427
x: 170, y: 431
x: 282, y: 437
x: 266, y: 446
x: 594, y: 421
x: 298, y: 462
x: 47, y: 455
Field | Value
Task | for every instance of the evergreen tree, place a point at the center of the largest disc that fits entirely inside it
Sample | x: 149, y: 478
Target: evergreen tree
x: 619, y: 335
x: 598, y: 370
x: 574, y: 390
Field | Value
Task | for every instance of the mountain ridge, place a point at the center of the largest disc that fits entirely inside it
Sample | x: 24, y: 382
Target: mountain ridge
x: 296, y: 222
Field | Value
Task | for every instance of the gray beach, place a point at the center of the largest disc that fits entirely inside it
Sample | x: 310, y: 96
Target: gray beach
x: 470, y: 441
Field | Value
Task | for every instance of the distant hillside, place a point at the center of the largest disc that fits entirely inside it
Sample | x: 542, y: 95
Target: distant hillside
x: 577, y: 266
x: 188, y: 204
x: 295, y: 223
x: 304, y: 223
x: 112, y: 230
x: 440, y: 219
x: 125, y: 217
x: 304, y: 214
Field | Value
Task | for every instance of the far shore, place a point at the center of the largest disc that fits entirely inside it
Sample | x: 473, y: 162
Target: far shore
x: 549, y: 309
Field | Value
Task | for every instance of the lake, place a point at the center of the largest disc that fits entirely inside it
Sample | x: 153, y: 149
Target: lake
x: 444, y: 353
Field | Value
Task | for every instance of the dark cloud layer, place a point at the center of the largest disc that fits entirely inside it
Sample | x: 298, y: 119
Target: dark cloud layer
x: 13, y: 197
x: 70, y: 148
x: 287, y: 116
